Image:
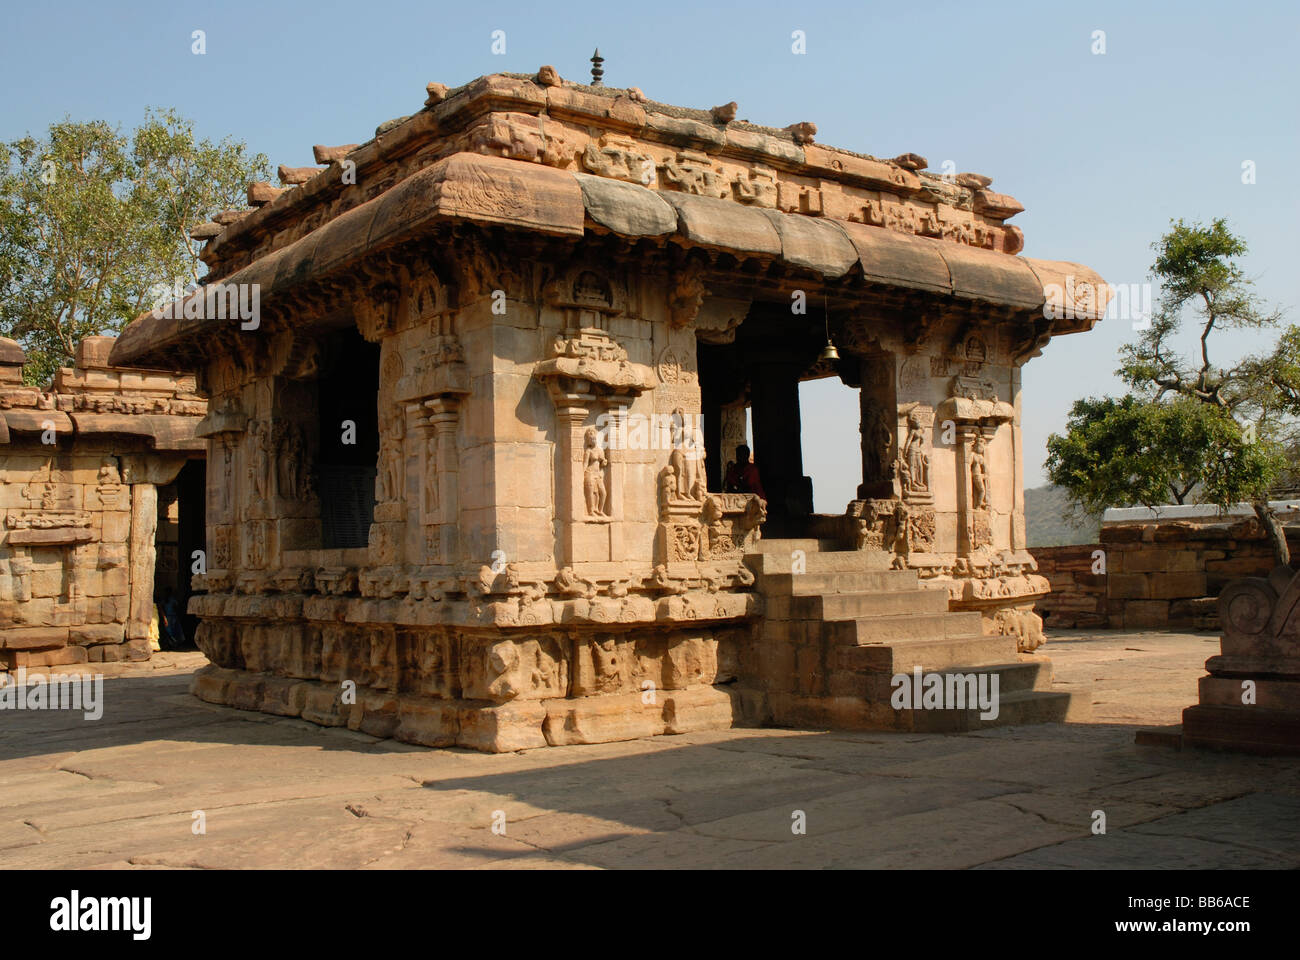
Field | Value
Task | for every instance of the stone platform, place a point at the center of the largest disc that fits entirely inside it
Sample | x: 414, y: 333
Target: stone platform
x: 278, y: 792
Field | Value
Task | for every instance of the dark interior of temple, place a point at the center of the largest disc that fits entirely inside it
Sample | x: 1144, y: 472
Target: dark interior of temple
x: 348, y: 439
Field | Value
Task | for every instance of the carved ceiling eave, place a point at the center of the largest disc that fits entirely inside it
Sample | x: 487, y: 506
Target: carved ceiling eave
x: 355, y: 258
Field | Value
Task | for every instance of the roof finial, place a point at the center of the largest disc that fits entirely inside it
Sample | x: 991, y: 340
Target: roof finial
x: 597, y: 71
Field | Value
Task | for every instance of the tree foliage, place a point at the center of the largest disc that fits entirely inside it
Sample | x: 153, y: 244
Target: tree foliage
x: 1190, y: 428
x: 1130, y: 451
x: 91, y: 219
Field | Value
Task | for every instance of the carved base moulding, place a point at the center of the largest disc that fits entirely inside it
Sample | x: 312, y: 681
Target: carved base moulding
x: 481, y: 691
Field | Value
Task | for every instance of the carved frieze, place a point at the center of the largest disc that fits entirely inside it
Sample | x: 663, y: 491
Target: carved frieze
x: 756, y: 187
x: 520, y: 136
x: 597, y: 358
x: 693, y: 172
x: 39, y: 527
x: 618, y: 158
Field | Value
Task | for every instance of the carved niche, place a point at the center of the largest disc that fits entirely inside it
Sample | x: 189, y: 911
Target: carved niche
x: 980, y: 527
x: 293, y: 469
x: 585, y: 350
x: 391, y: 478
x: 914, y: 459
x: 258, y: 446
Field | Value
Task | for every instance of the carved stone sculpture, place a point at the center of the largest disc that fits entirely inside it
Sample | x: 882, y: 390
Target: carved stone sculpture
x: 914, y: 463
x: 259, y: 468
x: 877, y: 438
x: 594, y: 462
x: 392, y: 474
x: 979, y: 476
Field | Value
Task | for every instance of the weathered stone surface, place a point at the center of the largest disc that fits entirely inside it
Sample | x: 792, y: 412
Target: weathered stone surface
x: 899, y: 259
x: 626, y: 208
x: 338, y: 798
x: 70, y: 568
x: 262, y: 193
x: 290, y: 176
x: 718, y: 223
x: 324, y: 154
x: 813, y: 244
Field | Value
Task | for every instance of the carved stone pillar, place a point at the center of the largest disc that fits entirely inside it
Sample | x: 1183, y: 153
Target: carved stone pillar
x: 144, y: 527
x: 778, y: 450
x: 440, y: 479
x: 571, y: 411
x: 585, y: 372
x: 1018, y: 538
x: 877, y: 424
x: 616, y: 449
x: 966, y: 435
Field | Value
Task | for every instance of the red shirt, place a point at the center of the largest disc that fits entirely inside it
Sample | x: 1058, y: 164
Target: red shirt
x: 743, y: 478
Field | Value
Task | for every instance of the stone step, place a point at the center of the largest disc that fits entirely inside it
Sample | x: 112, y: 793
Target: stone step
x: 832, y: 561
x: 788, y: 546
x: 973, y: 651
x: 861, y: 581
x: 1014, y: 677
x: 850, y: 606
x: 856, y: 713
x: 908, y: 627
x: 1025, y: 706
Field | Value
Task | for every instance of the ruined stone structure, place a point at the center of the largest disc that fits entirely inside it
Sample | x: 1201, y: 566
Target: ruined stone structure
x: 1250, y: 700
x: 1160, y: 570
x: 93, y: 471
x: 468, y: 461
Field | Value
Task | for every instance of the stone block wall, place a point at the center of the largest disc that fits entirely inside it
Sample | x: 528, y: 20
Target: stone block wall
x: 1078, y: 597
x: 1159, y: 575
x: 80, y: 465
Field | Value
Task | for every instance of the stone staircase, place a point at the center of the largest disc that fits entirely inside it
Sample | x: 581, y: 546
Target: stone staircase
x: 836, y: 634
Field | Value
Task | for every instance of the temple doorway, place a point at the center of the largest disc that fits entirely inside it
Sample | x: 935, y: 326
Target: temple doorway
x: 750, y: 391
x: 832, y: 441
x: 179, y: 534
x: 347, y: 439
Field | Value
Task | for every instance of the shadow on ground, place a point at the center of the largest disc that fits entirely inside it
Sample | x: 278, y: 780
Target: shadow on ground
x: 277, y: 792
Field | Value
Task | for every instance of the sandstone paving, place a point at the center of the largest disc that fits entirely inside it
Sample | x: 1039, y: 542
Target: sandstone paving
x: 120, y: 793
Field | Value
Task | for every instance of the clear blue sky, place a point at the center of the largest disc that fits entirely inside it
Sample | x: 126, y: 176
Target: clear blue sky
x: 1101, y: 150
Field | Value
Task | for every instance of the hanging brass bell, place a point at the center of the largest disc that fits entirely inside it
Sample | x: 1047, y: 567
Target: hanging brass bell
x: 829, y: 352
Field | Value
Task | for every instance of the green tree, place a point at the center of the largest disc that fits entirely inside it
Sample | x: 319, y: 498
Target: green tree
x: 1190, y: 428
x: 92, y: 220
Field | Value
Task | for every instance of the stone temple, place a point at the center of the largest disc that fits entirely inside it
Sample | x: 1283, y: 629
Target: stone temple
x: 465, y: 466
x: 101, y: 506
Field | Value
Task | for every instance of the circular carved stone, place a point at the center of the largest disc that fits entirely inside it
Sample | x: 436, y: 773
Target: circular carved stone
x: 1245, y: 606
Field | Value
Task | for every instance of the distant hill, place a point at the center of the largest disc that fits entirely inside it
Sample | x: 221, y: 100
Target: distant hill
x: 1047, y: 523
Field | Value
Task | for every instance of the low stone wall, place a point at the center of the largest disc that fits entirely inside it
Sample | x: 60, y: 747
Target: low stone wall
x: 1078, y: 597
x: 1163, y: 573
x: 1169, y: 574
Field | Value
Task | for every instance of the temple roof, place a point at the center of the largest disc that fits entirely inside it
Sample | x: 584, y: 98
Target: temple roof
x: 558, y: 159
x: 157, y: 408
